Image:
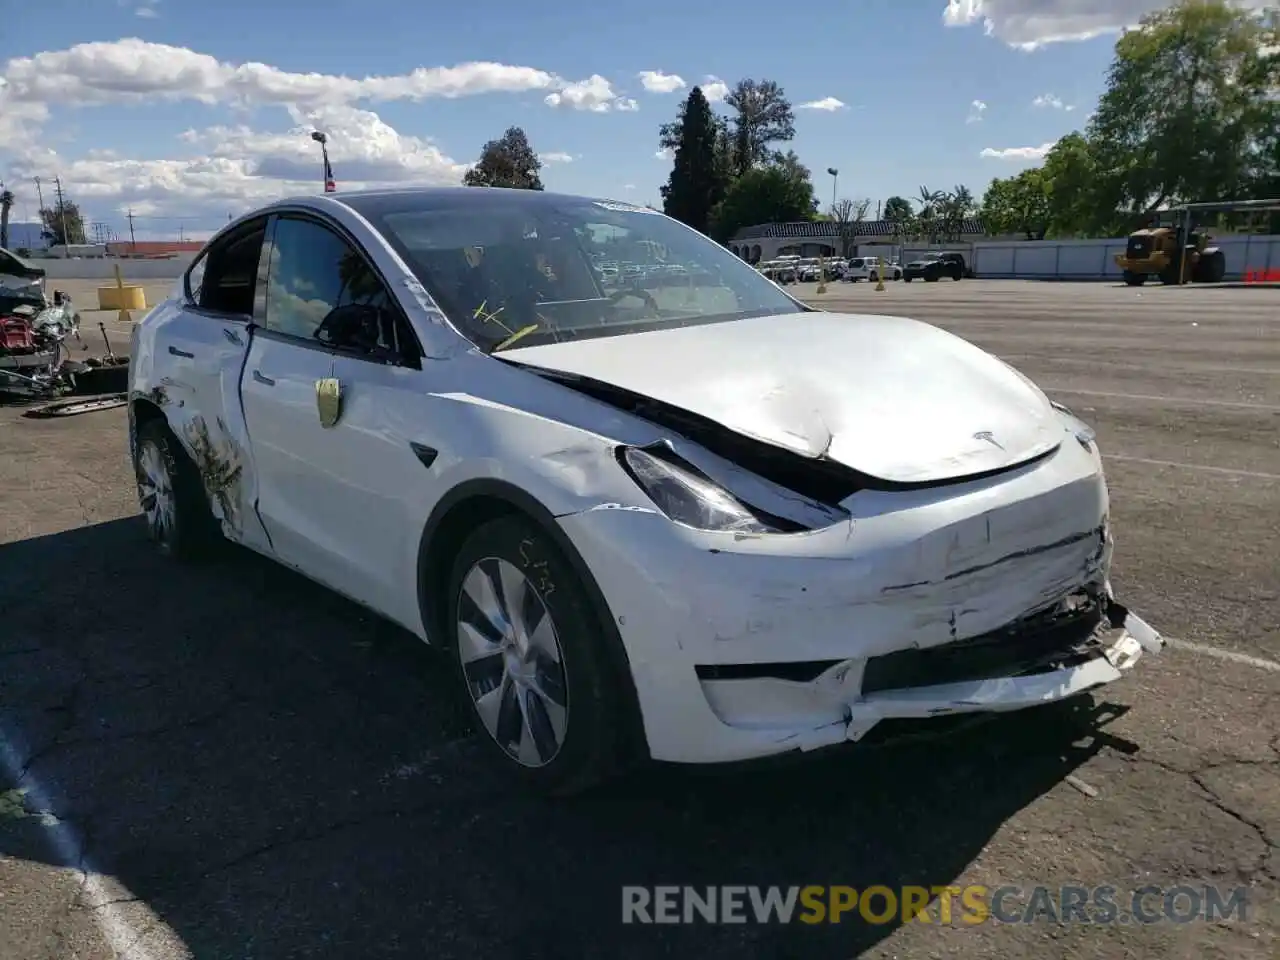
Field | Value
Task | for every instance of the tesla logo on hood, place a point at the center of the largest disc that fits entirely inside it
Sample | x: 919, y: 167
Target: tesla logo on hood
x: 988, y: 436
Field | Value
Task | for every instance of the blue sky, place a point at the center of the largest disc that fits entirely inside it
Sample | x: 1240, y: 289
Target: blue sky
x: 156, y: 117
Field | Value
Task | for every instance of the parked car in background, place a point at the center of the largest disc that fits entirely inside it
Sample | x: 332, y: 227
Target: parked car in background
x: 934, y: 267
x: 678, y: 514
x: 868, y: 268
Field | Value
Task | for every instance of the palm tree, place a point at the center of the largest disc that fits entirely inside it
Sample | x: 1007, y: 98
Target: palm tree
x: 930, y: 203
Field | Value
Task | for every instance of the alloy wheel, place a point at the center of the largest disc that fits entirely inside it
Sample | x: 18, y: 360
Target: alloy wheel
x: 512, y: 662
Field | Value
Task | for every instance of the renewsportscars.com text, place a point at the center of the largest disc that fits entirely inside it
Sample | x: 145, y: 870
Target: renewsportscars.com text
x: 968, y: 905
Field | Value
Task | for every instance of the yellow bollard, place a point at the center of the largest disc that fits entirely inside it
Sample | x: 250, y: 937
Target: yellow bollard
x: 880, y: 272
x: 125, y: 316
x: 822, y: 274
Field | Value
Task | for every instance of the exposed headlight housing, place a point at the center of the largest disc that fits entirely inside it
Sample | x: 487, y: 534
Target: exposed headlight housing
x: 1083, y: 432
x: 688, y: 497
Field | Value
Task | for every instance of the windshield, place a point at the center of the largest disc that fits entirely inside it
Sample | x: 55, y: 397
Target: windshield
x: 542, y: 269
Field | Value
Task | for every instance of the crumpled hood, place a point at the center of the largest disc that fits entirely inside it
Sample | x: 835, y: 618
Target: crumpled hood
x: 894, y: 398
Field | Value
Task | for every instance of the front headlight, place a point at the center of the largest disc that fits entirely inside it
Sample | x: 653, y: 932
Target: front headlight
x: 689, y: 498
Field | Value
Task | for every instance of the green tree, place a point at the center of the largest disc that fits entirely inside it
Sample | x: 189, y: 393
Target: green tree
x: 1081, y: 202
x: 697, y: 182
x: 1018, y: 204
x: 506, y: 162
x: 762, y: 117
x: 778, y: 192
x: 63, y: 223
x: 898, y: 208
x: 1189, y: 104
x: 669, y: 135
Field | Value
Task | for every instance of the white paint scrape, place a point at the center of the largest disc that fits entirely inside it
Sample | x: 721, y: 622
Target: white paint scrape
x: 130, y: 928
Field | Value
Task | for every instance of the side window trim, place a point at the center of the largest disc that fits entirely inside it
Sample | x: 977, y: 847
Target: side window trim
x: 201, y: 258
x: 410, y: 353
x: 191, y: 304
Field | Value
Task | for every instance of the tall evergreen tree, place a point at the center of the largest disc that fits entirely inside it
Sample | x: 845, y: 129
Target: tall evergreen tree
x: 697, y: 181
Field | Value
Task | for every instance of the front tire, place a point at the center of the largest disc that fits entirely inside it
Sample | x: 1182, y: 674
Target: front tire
x: 533, y: 660
x: 171, y: 495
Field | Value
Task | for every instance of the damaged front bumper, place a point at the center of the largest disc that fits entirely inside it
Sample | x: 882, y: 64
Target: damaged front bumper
x: 1114, y: 649
x: 982, y: 597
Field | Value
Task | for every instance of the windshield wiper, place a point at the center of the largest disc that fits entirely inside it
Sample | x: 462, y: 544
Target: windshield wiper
x: 519, y: 334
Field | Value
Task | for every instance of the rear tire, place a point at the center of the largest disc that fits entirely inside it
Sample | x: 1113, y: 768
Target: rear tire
x: 1134, y: 279
x: 532, y: 659
x: 1211, y: 268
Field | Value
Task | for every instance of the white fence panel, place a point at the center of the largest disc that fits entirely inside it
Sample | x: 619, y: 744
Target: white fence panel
x: 134, y: 271
x: 1095, y: 259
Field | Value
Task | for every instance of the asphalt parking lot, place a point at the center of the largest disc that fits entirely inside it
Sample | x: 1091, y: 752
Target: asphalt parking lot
x: 255, y: 768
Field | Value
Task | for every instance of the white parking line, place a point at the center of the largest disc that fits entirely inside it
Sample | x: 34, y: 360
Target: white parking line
x: 1174, y: 367
x: 1258, y: 663
x: 102, y: 896
x: 1193, y: 401
x: 1226, y: 471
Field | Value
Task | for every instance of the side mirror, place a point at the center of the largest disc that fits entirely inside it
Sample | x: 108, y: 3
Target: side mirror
x: 357, y: 327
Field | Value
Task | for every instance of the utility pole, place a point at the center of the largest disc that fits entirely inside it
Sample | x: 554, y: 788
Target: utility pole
x: 40, y: 206
x: 133, y: 244
x: 62, y: 209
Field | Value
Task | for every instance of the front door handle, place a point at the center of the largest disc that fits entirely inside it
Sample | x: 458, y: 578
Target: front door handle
x: 265, y: 381
x: 232, y: 336
x: 174, y: 351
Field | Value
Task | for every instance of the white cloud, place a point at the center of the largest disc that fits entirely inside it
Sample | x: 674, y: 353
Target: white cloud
x: 228, y: 170
x: 665, y: 154
x: 976, y: 110
x: 594, y: 95
x: 626, y: 105
x: 1048, y: 100
x: 714, y: 89
x: 1030, y: 24
x: 556, y: 157
x: 829, y: 104
x: 134, y: 70
x: 655, y: 81
x: 1017, y: 153
x: 147, y: 13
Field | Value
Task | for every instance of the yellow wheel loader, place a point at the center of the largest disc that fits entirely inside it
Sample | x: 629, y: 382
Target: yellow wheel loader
x: 1160, y: 251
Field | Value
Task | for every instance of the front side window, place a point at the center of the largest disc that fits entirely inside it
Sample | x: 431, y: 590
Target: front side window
x: 320, y: 289
x: 547, y: 269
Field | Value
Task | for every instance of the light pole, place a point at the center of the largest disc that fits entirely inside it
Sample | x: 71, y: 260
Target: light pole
x: 329, y: 185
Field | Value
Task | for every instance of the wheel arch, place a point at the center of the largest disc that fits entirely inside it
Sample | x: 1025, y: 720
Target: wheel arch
x: 480, y: 500
x: 142, y: 411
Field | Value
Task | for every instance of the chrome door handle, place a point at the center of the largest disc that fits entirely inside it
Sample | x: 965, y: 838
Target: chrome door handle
x: 174, y: 351
x: 233, y: 337
x: 266, y: 381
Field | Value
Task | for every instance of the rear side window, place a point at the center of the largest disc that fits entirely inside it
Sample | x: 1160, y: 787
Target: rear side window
x: 225, y: 277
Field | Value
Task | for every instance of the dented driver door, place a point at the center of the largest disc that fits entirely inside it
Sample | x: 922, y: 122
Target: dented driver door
x: 201, y: 349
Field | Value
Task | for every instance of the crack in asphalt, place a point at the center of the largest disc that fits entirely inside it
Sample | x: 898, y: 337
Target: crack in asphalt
x: 1208, y: 794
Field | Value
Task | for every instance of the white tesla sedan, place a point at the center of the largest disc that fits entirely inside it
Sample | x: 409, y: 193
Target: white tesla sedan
x: 663, y: 509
